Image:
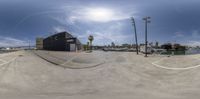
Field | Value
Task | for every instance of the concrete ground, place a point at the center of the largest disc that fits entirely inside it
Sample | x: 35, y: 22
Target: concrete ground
x: 98, y: 75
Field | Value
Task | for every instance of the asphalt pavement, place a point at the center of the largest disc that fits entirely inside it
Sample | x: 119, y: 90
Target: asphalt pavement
x: 118, y: 75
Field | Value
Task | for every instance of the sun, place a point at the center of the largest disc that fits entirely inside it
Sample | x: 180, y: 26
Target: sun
x: 100, y: 14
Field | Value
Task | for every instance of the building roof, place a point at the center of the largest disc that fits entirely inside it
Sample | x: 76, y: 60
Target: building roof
x: 63, y: 34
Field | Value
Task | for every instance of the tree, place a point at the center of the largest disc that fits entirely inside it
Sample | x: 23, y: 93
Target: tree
x: 91, y: 38
x: 157, y: 44
x: 88, y: 44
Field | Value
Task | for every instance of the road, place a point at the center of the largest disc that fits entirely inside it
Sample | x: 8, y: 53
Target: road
x: 122, y: 75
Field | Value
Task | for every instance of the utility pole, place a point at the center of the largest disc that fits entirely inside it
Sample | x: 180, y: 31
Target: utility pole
x: 147, y: 20
x: 134, y: 25
x: 76, y: 44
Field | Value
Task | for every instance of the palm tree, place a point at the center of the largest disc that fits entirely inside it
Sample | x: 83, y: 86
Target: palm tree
x: 91, y: 38
x: 88, y: 44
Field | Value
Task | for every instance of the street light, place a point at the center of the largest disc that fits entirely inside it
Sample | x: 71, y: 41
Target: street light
x: 134, y: 25
x: 147, y: 20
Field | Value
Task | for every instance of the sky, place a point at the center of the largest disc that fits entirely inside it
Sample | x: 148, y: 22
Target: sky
x: 174, y: 21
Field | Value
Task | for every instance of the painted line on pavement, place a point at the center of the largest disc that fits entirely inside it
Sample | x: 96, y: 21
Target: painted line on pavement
x: 3, y: 60
x: 8, y: 61
x: 171, y: 68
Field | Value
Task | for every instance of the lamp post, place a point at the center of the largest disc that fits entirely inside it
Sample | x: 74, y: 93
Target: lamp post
x: 134, y: 25
x: 147, y: 20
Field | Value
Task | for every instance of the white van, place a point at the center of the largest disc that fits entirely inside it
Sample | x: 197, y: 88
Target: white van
x: 149, y: 49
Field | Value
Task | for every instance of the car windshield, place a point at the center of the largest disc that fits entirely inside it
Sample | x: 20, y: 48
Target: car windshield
x: 99, y: 49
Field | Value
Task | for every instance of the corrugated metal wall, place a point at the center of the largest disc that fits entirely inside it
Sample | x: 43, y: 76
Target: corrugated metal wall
x: 60, y: 42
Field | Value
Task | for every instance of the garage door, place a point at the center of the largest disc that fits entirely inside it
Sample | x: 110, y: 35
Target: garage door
x: 72, y: 47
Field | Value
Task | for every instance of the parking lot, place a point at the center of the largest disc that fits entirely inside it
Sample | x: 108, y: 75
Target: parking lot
x: 97, y: 75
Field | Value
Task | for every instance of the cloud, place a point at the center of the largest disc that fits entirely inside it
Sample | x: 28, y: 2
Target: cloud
x: 105, y: 24
x: 66, y: 24
x: 194, y: 39
x: 193, y: 43
x: 195, y: 34
x: 59, y: 29
x: 11, y: 42
x: 96, y: 14
x: 178, y: 35
x: 107, y: 35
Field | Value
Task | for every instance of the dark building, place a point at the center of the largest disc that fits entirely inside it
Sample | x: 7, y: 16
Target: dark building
x: 167, y: 46
x: 62, y: 41
x: 176, y: 47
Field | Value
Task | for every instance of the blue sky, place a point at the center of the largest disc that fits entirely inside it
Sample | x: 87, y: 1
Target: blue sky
x: 109, y: 21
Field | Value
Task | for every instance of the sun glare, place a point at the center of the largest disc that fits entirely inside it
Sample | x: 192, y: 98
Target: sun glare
x: 100, y: 14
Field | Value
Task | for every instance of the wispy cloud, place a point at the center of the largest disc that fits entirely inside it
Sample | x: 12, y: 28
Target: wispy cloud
x: 107, y: 35
x: 194, y: 38
x: 195, y: 34
x: 193, y: 43
x: 178, y: 34
x: 59, y: 29
x: 95, y: 14
x: 105, y: 24
x: 98, y: 15
x: 11, y: 42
